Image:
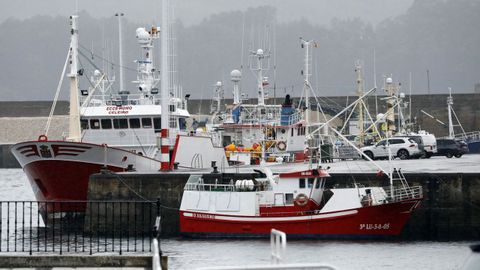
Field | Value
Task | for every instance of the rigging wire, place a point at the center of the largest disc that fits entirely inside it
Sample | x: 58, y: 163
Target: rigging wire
x: 106, y: 60
x: 57, y: 93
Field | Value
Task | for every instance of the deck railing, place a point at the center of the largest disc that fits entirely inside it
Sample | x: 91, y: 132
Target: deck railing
x: 404, y: 193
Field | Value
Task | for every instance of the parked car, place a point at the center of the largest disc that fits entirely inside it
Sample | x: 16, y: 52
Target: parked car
x: 402, y: 147
x: 426, y: 143
x: 451, y: 148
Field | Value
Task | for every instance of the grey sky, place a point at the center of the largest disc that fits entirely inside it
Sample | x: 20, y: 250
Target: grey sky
x: 193, y: 11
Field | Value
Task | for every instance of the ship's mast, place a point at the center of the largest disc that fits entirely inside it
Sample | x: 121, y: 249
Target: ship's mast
x: 165, y: 85
x: 120, y: 51
x: 259, y: 68
x: 146, y: 72
x: 451, y: 132
x: 74, y: 133
x: 391, y: 91
x: 360, y: 92
x: 306, y: 74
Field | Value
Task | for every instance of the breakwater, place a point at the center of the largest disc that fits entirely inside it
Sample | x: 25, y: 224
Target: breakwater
x: 450, y: 209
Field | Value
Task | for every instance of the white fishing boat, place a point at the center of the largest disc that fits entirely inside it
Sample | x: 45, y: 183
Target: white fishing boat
x: 118, y: 131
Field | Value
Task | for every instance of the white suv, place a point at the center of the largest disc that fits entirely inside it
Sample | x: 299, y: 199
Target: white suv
x: 400, y: 147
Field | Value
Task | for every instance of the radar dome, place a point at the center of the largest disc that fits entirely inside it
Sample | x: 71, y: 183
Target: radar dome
x: 260, y: 52
x: 389, y: 80
x: 402, y: 95
x: 97, y: 73
x: 143, y: 36
x: 236, y: 75
x: 219, y: 83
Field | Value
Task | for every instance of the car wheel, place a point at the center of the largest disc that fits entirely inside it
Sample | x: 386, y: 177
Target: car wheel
x: 368, y: 154
x: 402, y: 154
x: 449, y: 154
x: 428, y: 155
x: 458, y: 155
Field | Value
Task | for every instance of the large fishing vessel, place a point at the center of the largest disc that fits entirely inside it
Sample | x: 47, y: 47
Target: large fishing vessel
x: 250, y: 205
x: 119, y: 131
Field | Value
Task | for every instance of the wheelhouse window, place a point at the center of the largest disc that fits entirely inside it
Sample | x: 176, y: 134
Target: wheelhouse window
x: 94, y: 124
x: 134, y: 122
x: 147, y: 122
x: 106, y: 123
x: 317, y: 184
x: 120, y: 123
x: 301, y: 183
x: 157, y: 124
x: 288, y: 198
x: 84, y: 124
x: 182, y: 123
x: 310, y: 182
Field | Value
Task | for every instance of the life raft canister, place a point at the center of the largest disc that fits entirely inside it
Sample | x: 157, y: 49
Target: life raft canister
x: 42, y: 138
x: 301, y: 200
x: 281, y: 146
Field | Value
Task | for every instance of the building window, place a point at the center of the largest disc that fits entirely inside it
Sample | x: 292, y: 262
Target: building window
x: 94, y: 124
x: 106, y: 123
x: 147, y: 122
x: 134, y: 122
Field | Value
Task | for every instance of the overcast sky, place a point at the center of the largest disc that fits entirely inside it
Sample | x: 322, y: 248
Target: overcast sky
x: 193, y: 11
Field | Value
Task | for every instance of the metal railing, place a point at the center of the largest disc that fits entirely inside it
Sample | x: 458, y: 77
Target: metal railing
x: 404, y: 193
x: 87, y: 227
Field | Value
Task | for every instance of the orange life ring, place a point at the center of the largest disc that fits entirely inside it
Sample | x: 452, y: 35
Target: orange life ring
x: 301, y: 200
x: 43, y: 138
x: 281, y: 146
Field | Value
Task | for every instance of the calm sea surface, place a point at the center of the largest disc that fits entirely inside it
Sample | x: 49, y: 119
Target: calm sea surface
x: 371, y: 255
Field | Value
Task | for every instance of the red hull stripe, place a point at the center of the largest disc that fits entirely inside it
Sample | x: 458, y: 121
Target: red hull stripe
x: 386, y: 219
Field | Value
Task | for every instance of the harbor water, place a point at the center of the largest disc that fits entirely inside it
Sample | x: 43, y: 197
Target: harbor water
x: 190, y: 254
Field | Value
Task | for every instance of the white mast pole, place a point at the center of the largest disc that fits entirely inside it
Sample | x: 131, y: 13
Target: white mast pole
x: 120, y: 50
x: 164, y: 146
x: 361, y: 124
x: 261, y: 93
x: 451, y: 133
x: 74, y: 131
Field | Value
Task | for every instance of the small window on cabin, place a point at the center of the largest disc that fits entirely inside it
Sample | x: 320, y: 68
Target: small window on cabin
x: 288, y: 198
x: 120, y: 123
x: 182, y: 123
x: 147, y: 122
x: 292, y: 131
x: 310, y: 182
x: 157, y: 124
x: 94, y: 124
x: 317, y: 184
x: 301, y: 183
x: 84, y: 123
x: 106, y: 123
x: 134, y: 122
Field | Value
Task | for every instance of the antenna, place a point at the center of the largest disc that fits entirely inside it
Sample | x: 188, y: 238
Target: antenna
x: 120, y: 53
x: 375, y: 78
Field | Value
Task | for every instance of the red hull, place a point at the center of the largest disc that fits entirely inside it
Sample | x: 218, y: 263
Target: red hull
x: 386, y: 219
x: 62, y: 180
